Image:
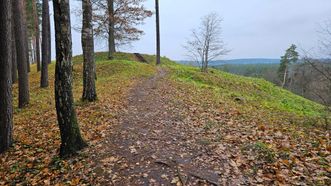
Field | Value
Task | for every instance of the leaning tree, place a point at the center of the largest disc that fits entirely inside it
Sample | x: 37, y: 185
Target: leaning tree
x: 6, y: 109
x: 71, y: 140
x: 291, y: 56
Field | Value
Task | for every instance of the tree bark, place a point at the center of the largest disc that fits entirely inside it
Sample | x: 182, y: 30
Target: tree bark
x: 25, y: 32
x: 111, y: 32
x: 71, y: 140
x: 13, y: 47
x: 49, y: 40
x: 22, y: 57
x: 45, y: 45
x: 89, y: 74
x: 37, y: 33
x: 6, y: 109
x: 158, y: 39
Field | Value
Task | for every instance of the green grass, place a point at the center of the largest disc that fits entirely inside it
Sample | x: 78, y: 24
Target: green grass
x: 258, y: 94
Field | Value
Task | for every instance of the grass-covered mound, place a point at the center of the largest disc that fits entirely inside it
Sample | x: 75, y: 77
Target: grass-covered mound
x: 250, y: 95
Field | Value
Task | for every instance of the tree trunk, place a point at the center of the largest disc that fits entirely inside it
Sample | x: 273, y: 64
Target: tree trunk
x: 22, y: 58
x: 37, y: 33
x: 284, y: 78
x: 25, y: 32
x: 111, y: 34
x: 206, y: 59
x: 45, y: 45
x: 71, y: 140
x: 6, y: 108
x: 49, y: 37
x: 158, y: 39
x: 13, y: 47
x: 89, y: 91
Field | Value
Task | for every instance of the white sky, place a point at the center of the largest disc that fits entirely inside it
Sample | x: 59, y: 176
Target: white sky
x: 251, y: 28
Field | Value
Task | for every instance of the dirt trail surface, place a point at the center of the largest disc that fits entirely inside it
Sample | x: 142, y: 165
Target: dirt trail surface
x: 155, y: 143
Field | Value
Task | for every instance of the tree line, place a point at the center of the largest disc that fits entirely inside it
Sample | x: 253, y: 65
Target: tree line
x: 20, y: 46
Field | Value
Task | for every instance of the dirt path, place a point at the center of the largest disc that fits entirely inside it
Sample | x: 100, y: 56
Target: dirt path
x: 154, y: 144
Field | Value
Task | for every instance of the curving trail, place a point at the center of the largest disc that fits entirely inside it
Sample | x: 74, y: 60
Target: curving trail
x: 154, y: 143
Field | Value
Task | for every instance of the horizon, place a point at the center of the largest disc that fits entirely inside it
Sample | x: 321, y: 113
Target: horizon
x: 270, y: 38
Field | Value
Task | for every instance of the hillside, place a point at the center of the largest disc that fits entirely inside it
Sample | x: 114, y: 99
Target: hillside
x: 171, y: 125
x: 236, y: 62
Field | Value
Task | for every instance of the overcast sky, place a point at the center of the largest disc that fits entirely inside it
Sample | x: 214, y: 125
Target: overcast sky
x: 251, y: 28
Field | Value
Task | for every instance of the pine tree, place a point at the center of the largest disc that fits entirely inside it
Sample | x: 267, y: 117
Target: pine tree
x: 45, y: 44
x: 71, y: 140
x: 291, y: 56
x: 6, y: 109
x: 89, y: 74
x: 21, y: 50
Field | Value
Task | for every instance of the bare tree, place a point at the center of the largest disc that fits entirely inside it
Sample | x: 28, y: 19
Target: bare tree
x: 322, y: 69
x: 118, y: 23
x: 206, y: 43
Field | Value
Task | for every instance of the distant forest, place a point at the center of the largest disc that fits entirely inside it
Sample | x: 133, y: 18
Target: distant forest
x: 303, y: 79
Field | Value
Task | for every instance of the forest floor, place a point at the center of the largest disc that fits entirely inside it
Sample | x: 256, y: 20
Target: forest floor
x: 151, y: 126
x: 154, y: 143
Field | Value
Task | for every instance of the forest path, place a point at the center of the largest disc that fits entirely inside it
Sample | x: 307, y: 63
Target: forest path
x: 154, y: 145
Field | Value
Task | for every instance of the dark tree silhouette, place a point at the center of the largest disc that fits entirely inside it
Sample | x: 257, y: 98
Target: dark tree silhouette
x: 89, y: 74
x: 22, y: 57
x: 71, y: 140
x: 6, y: 109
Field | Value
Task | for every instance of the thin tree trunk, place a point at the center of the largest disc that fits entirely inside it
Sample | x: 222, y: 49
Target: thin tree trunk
x: 6, y: 108
x: 49, y: 40
x: 284, y: 78
x: 13, y: 47
x: 22, y: 58
x: 158, y: 39
x: 34, y: 51
x: 89, y: 91
x: 37, y: 33
x: 45, y: 45
x: 71, y: 140
x: 111, y: 34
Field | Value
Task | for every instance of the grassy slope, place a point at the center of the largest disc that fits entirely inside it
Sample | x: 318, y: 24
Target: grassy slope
x: 257, y: 95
